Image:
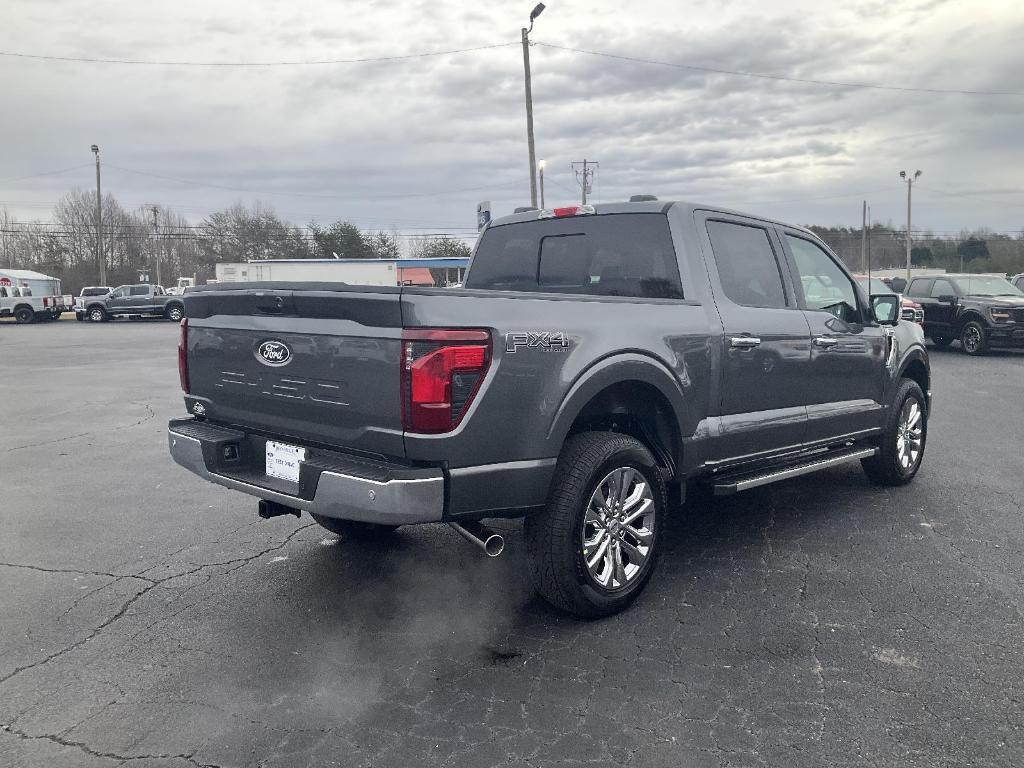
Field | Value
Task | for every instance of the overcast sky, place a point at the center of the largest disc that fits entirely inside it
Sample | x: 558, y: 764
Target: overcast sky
x: 344, y: 141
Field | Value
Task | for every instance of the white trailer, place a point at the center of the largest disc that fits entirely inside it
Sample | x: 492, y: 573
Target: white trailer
x: 352, y: 271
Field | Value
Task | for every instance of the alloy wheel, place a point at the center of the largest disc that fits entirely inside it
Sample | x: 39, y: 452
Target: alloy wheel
x: 618, y: 528
x: 971, y: 338
x: 910, y: 434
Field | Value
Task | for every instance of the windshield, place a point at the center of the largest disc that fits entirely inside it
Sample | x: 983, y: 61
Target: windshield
x: 876, y: 286
x: 984, y: 285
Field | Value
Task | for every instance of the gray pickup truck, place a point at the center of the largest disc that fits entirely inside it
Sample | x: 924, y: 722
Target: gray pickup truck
x: 133, y: 301
x: 598, y: 362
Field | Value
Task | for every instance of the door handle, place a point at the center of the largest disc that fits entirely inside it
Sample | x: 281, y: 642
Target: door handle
x: 744, y: 342
x: 825, y: 341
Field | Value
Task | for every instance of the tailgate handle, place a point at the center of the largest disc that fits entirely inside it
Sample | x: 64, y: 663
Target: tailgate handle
x: 271, y: 305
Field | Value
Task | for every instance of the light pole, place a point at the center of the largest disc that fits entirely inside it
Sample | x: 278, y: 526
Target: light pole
x: 537, y: 11
x: 99, y: 220
x: 910, y: 185
x: 540, y: 167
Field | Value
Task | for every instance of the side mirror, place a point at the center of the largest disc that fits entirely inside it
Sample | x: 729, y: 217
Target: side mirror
x: 886, y: 308
x: 947, y: 299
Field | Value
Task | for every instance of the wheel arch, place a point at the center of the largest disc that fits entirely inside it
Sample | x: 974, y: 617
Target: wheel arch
x: 633, y: 394
x: 970, y: 315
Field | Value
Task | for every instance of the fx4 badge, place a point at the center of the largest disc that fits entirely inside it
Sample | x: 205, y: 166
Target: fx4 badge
x: 545, y: 340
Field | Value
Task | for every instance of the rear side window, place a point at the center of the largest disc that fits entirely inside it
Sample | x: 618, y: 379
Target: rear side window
x: 626, y: 254
x: 747, y: 266
x: 943, y: 288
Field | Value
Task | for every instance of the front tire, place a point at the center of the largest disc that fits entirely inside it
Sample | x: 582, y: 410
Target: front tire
x: 97, y: 315
x: 973, y: 340
x: 353, y: 529
x: 593, y: 548
x: 901, y: 449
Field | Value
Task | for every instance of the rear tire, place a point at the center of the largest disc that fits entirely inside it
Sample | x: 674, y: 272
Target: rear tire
x: 24, y: 315
x: 353, y: 529
x: 901, y: 449
x: 972, y: 338
x: 593, y: 548
x: 942, y: 341
x: 174, y: 312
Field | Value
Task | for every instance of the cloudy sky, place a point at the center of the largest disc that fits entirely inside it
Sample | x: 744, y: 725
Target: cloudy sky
x: 413, y: 144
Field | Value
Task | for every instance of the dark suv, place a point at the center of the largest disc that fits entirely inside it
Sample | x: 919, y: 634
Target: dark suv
x: 982, y: 311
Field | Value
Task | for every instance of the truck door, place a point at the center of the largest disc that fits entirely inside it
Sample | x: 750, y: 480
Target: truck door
x: 766, y: 343
x: 119, y: 303
x: 140, y: 298
x: 848, y: 349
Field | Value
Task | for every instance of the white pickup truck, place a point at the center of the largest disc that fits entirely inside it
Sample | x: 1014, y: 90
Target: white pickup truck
x: 19, y: 303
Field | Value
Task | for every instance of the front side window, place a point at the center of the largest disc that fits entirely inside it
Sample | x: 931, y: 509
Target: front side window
x: 747, y: 267
x: 825, y: 285
x: 119, y: 293
x: 942, y: 288
x: 139, y: 290
x: 919, y: 287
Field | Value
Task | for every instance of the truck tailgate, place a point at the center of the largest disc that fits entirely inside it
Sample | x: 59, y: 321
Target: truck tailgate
x: 319, y: 365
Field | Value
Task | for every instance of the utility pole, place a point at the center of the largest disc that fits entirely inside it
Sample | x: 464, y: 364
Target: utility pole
x: 540, y: 167
x: 910, y: 185
x: 864, y: 237
x: 585, y: 175
x: 8, y: 257
x: 99, y: 221
x: 537, y: 11
x: 869, y: 245
x: 156, y: 253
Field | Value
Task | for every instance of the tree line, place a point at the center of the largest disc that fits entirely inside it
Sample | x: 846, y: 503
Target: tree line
x: 66, y: 247
x: 979, y: 250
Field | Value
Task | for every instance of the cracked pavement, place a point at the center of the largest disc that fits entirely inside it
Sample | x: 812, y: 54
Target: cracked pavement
x: 152, y: 620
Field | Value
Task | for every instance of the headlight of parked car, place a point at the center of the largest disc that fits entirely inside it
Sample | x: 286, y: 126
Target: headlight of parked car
x: 1000, y: 315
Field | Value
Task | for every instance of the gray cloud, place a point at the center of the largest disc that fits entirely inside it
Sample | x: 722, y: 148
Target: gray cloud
x: 364, y: 132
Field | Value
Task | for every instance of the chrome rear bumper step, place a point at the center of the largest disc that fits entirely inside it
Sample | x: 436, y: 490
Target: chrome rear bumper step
x: 725, y: 486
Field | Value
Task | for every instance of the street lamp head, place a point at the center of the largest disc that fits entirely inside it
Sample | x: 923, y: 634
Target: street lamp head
x: 95, y: 149
x: 917, y: 174
x: 903, y: 174
x: 541, y: 164
x: 536, y: 12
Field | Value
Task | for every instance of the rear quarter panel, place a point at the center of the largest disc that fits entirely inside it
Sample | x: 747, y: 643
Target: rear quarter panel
x: 533, y: 391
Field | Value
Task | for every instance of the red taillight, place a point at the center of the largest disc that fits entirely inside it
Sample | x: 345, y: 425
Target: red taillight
x: 46, y: 302
x: 442, y: 370
x: 569, y: 210
x: 183, y: 355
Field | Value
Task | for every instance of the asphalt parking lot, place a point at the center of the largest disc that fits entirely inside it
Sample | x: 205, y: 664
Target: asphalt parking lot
x: 150, y: 619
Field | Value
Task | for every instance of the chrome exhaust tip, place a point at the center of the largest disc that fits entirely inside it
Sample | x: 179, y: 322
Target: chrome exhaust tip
x: 493, y: 544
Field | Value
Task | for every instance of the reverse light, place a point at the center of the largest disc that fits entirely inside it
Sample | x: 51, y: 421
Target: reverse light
x: 183, y: 355
x: 442, y: 370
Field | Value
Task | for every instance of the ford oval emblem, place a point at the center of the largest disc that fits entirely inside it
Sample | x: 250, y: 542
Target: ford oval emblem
x: 273, y: 353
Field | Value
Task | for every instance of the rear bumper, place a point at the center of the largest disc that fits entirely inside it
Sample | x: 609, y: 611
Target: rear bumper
x: 330, y: 484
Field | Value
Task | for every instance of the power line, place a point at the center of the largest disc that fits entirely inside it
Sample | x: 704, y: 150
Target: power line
x: 46, y: 173
x: 356, y: 196
x: 295, y: 63
x: 786, y: 78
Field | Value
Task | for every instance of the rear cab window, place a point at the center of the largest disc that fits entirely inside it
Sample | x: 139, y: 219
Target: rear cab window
x: 620, y: 254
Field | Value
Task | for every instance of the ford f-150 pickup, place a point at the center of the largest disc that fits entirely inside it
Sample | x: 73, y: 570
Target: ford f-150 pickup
x: 598, y: 361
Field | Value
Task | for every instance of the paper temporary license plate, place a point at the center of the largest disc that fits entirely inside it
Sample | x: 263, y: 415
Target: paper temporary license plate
x: 283, y: 460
